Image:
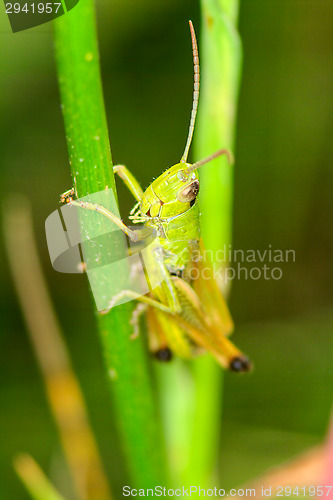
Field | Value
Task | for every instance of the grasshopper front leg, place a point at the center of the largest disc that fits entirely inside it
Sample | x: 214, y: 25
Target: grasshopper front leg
x: 133, y: 235
x: 130, y: 181
x: 133, y: 186
x: 67, y: 197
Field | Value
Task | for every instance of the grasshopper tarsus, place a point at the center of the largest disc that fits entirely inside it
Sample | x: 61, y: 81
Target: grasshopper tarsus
x: 240, y: 364
x: 67, y: 196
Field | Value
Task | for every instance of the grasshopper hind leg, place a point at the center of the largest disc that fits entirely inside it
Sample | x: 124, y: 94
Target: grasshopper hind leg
x: 161, y: 351
x: 135, y: 320
x: 157, y: 341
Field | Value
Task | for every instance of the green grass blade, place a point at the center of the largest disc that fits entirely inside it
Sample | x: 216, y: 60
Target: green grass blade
x: 220, y: 51
x: 221, y: 64
x: 91, y: 167
x: 191, y: 397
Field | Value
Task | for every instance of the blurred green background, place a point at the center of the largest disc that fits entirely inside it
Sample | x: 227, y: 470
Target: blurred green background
x: 283, y: 184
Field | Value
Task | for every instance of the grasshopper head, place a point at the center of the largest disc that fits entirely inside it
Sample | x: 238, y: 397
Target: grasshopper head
x: 176, y: 190
x: 172, y: 193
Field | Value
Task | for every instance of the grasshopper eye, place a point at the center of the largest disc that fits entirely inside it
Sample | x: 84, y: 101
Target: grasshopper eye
x: 189, y: 193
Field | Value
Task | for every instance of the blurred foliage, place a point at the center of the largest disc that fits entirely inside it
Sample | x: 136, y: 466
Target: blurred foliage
x: 282, y: 197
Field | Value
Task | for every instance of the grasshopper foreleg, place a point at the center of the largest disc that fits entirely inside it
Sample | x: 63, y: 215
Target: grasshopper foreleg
x: 67, y: 196
x: 133, y: 186
x: 133, y: 235
x: 129, y: 180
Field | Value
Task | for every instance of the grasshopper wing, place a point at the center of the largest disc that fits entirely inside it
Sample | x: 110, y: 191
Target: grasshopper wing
x: 201, y: 329
x: 167, y: 337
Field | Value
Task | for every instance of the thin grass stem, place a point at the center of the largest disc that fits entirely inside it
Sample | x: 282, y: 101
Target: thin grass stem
x: 91, y: 167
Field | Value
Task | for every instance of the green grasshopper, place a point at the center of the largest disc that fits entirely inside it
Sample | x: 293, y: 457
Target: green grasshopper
x: 184, y: 315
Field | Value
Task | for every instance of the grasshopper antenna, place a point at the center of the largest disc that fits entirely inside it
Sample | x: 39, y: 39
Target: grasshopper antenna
x: 211, y: 157
x: 195, y: 93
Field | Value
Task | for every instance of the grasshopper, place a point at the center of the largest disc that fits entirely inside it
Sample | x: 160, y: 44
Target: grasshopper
x: 184, y: 315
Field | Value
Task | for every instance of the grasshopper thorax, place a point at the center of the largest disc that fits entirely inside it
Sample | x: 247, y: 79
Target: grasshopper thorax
x: 172, y: 193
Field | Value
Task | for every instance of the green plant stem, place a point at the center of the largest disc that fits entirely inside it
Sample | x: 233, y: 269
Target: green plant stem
x: 192, y: 404
x: 220, y: 51
x: 91, y: 167
x: 221, y: 56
